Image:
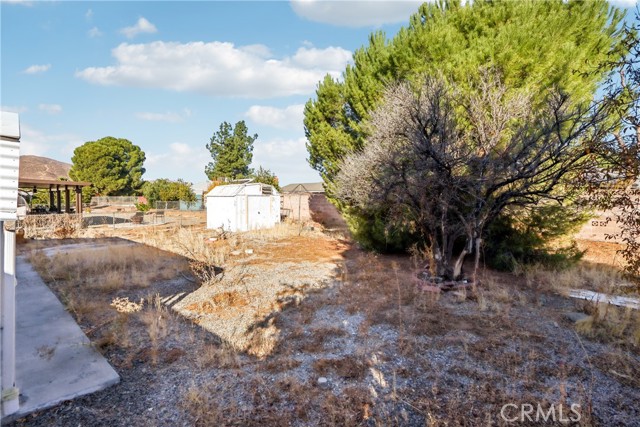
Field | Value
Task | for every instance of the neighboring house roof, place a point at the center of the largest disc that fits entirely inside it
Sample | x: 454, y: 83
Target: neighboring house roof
x: 313, y: 187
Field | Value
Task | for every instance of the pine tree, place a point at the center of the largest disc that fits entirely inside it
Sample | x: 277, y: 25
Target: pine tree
x: 532, y: 45
x: 232, y: 151
x: 114, y: 166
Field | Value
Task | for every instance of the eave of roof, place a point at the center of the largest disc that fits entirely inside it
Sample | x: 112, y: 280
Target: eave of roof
x: 47, y: 183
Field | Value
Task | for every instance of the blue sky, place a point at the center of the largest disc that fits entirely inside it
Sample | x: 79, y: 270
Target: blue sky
x: 165, y: 74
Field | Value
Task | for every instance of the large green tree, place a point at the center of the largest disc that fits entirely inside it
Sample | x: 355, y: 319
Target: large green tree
x: 533, y: 45
x: 113, y: 165
x: 232, y: 151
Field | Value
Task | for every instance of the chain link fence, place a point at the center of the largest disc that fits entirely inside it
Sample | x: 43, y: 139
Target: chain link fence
x: 114, y: 201
x: 173, y: 205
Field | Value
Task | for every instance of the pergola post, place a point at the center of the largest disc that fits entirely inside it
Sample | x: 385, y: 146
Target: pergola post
x: 67, y: 200
x: 59, y: 198
x: 51, y: 200
x: 78, y: 199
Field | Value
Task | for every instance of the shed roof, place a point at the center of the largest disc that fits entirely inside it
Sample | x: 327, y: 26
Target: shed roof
x: 10, y: 125
x: 313, y: 187
x: 230, y: 190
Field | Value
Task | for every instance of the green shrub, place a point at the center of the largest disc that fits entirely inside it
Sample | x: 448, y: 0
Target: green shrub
x: 142, y: 207
x: 534, y: 237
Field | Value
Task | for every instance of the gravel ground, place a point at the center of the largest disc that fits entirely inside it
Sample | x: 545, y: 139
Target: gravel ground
x: 301, y: 337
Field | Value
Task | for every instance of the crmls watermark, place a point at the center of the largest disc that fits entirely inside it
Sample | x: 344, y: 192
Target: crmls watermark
x: 538, y: 413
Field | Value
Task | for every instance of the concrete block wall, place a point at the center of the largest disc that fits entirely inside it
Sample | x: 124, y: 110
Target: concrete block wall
x: 312, y: 206
x: 296, y: 206
x: 596, y: 229
x: 324, y: 212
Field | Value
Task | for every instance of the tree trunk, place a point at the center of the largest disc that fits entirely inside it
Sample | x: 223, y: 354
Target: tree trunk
x: 476, y: 264
x: 457, y: 268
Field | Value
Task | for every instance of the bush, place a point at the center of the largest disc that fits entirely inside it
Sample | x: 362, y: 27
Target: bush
x: 534, y: 237
x: 142, y: 207
x: 374, y: 232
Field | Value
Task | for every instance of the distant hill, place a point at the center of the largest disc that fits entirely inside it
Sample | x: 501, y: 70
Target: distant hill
x: 36, y: 167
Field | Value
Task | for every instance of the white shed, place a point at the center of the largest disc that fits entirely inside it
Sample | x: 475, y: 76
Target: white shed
x: 243, y: 207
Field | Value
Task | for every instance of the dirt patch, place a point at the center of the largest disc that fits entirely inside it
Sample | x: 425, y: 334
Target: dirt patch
x: 300, y: 249
x: 601, y: 252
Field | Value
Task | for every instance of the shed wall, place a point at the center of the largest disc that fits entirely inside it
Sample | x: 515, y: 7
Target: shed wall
x: 243, y: 212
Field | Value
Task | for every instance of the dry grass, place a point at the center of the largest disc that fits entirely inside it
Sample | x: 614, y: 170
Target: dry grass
x: 606, y: 322
x: 619, y: 366
x: 59, y: 226
x: 405, y: 356
x: 287, y: 401
x: 104, y: 287
x: 107, y: 269
x: 348, y: 367
x: 599, y: 278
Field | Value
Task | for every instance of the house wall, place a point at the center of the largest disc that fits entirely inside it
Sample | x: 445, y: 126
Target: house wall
x: 597, y: 229
x: 604, y: 222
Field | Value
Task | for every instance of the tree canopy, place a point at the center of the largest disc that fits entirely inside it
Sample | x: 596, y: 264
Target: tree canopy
x: 532, y: 45
x: 113, y: 165
x: 448, y: 162
x: 232, y: 151
x: 265, y: 176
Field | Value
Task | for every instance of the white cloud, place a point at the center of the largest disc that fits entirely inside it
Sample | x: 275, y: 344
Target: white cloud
x: 179, y: 161
x: 142, y: 26
x: 169, y: 117
x: 180, y: 148
x: 331, y: 57
x: 50, y: 108
x: 94, y: 32
x: 35, y: 69
x: 218, y: 68
x: 14, y: 108
x: 88, y: 15
x: 20, y: 2
x: 348, y: 13
x: 286, y: 158
x: 40, y: 143
x: 290, y: 117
